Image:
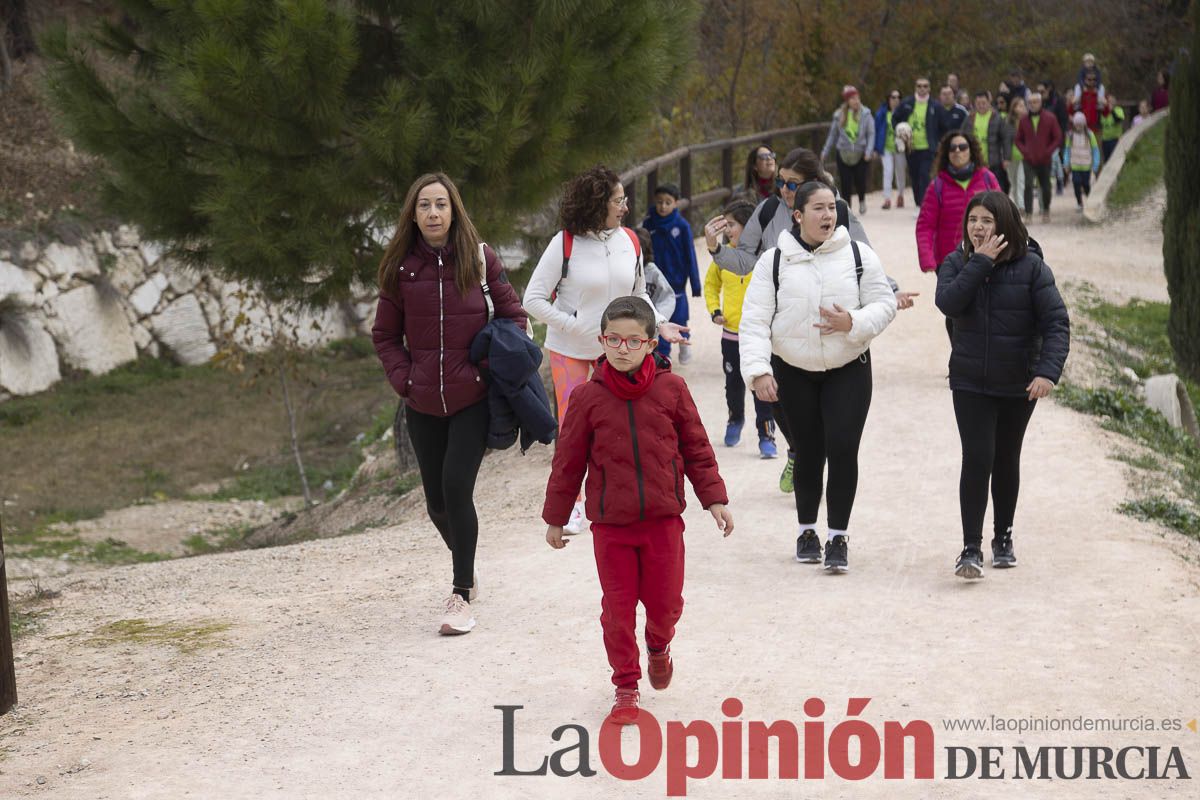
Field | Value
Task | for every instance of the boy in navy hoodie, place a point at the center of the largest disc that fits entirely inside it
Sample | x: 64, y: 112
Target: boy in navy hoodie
x: 676, y: 257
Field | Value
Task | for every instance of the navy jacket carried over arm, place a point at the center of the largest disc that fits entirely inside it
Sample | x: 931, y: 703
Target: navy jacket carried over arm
x: 517, y: 400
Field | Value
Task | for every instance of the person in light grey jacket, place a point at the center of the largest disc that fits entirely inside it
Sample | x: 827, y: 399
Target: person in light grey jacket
x: 772, y: 216
x: 852, y: 136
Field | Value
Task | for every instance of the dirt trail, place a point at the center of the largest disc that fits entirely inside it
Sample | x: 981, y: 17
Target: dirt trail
x: 330, y: 681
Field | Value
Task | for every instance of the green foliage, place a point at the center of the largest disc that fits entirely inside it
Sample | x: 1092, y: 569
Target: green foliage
x: 1181, y: 231
x: 274, y: 141
x: 1142, y: 170
x: 1165, y: 510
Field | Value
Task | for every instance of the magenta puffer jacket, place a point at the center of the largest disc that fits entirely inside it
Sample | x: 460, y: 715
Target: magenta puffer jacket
x: 423, y: 333
x: 940, y: 222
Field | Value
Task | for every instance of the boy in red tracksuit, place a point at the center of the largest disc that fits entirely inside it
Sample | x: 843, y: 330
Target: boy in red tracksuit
x: 635, y: 430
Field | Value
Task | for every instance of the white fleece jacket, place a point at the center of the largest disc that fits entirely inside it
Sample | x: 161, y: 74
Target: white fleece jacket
x: 783, y: 324
x: 603, y: 267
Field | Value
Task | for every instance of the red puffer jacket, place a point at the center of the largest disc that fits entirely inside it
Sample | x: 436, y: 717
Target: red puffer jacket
x: 636, y: 451
x: 423, y: 333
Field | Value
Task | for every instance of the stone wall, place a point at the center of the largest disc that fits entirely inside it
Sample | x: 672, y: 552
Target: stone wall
x: 101, y: 303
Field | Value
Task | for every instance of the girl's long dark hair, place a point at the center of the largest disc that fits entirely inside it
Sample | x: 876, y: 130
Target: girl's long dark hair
x: 751, y: 181
x: 468, y: 271
x: 1008, y: 222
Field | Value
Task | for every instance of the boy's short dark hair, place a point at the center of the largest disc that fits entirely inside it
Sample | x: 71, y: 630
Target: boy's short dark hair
x: 740, y: 210
x: 667, y: 188
x: 634, y: 308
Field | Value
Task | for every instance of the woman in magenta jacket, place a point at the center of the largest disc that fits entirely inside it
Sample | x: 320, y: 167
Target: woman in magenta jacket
x: 431, y: 306
x: 961, y: 173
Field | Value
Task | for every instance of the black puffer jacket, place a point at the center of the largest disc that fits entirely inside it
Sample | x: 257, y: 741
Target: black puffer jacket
x: 1009, y: 322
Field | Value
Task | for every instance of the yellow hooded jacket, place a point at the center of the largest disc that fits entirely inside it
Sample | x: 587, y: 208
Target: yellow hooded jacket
x: 729, y: 287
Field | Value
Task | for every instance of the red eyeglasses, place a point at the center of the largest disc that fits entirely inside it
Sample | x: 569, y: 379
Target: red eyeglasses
x: 614, y: 341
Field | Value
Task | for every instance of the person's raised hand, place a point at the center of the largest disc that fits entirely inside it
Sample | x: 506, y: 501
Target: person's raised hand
x: 713, y: 230
x: 905, y: 299
x: 992, y: 246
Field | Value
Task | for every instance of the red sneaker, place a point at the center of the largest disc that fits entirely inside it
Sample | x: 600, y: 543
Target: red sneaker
x: 660, y: 668
x: 625, y: 709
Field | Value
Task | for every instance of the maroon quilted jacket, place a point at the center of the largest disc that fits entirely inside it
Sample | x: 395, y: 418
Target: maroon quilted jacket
x: 636, y: 452
x: 423, y: 333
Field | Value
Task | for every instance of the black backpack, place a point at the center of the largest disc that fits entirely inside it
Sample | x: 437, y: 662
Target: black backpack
x: 771, y: 206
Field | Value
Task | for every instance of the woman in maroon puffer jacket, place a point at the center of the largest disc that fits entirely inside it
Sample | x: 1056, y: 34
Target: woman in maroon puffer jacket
x: 431, y: 306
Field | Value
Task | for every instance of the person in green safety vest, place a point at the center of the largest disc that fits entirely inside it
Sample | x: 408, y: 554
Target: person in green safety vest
x: 1112, y: 125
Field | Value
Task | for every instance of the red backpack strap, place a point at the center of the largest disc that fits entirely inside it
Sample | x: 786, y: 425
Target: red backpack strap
x: 637, y: 243
x: 568, y: 242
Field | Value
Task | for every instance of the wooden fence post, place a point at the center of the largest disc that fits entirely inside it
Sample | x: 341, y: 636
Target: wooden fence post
x: 685, y: 183
x: 631, y: 217
x: 651, y: 182
x: 727, y: 167
x: 8, y: 667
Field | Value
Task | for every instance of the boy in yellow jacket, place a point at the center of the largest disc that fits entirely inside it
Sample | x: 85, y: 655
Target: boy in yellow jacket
x: 723, y: 294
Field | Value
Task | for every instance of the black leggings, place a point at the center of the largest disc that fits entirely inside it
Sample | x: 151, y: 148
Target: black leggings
x: 825, y: 413
x: 449, y: 451
x: 992, y: 430
x: 853, y: 179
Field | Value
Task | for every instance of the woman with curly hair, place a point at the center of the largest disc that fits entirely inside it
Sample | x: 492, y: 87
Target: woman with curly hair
x: 960, y: 173
x: 431, y: 306
x: 588, y: 264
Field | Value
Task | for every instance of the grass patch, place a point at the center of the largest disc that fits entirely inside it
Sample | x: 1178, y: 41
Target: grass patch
x: 154, y: 430
x: 218, y: 541
x: 22, y: 623
x: 1137, y: 339
x: 183, y: 637
x: 1142, y: 170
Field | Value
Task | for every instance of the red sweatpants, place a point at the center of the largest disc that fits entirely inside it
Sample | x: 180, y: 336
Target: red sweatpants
x: 642, y: 561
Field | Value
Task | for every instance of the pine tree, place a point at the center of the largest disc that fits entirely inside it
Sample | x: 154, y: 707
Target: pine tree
x: 273, y: 140
x: 1181, y: 229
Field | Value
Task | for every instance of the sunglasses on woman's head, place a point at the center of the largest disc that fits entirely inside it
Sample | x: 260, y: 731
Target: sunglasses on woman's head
x: 791, y: 185
x: 766, y: 156
x: 960, y: 147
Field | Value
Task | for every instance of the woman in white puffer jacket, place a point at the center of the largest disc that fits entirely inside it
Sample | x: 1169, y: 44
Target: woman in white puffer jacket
x: 812, y: 308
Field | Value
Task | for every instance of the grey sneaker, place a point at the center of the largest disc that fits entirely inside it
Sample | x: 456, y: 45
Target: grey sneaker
x: 1002, y: 553
x: 808, y: 547
x: 457, y: 618
x: 969, y: 564
x: 837, y: 554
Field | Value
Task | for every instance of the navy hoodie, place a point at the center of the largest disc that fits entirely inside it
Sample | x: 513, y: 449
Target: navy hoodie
x: 674, y: 250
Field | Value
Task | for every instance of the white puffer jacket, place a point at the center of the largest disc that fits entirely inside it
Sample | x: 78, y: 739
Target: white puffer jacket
x: 783, y: 324
x: 603, y: 267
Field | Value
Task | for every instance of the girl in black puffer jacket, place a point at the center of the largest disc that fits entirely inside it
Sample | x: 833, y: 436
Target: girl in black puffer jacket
x: 1009, y: 342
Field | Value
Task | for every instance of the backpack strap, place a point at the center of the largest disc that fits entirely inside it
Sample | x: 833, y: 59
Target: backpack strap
x: 483, y: 282
x: 568, y: 244
x: 843, y: 214
x: 775, y: 273
x: 765, y: 214
x: 858, y: 265
x: 638, y: 269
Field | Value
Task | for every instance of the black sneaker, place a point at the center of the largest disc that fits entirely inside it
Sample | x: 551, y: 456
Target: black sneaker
x: 970, y: 563
x: 836, y: 555
x: 1002, y: 552
x: 808, y: 547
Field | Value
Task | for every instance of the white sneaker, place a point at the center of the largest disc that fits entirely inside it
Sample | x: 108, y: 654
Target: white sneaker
x: 457, y: 620
x: 685, y: 353
x: 577, y: 521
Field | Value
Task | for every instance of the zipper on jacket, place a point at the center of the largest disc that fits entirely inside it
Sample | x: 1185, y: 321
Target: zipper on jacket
x: 675, y: 475
x: 987, y: 325
x: 637, y: 463
x: 441, y: 337
x: 603, y: 489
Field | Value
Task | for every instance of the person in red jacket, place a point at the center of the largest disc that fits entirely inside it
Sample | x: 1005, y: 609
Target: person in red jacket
x: 431, y: 306
x: 1038, y: 139
x: 635, y: 431
x: 962, y: 173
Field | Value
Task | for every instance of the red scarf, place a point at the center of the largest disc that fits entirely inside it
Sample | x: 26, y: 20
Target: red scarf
x: 628, y: 386
x: 766, y: 186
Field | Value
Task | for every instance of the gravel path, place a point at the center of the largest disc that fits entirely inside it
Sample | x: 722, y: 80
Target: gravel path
x: 313, y: 671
